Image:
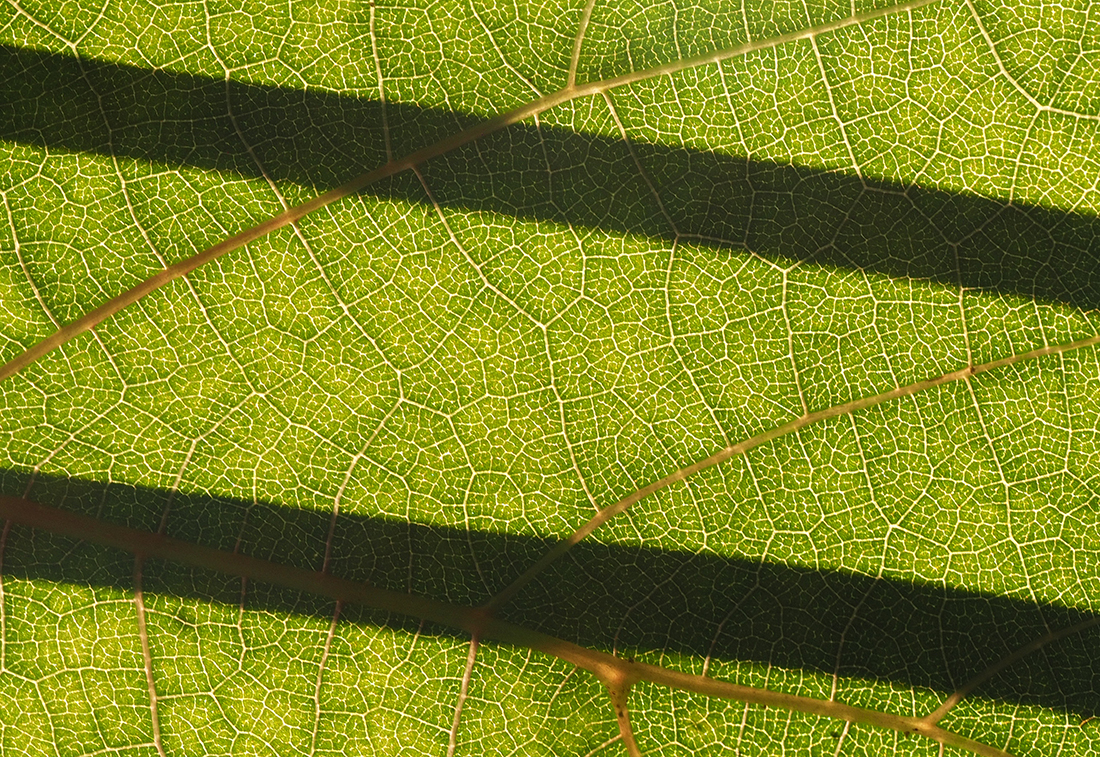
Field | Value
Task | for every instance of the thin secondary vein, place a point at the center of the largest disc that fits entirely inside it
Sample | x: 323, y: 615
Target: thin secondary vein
x: 290, y: 216
x: 319, y: 681
x: 466, y: 253
x: 3, y: 599
x: 936, y: 715
x: 381, y: 84
x: 582, y: 29
x: 836, y: 114
x: 612, y: 671
x: 330, y: 537
x: 464, y: 689
x: 23, y: 264
x: 1012, y: 80
x: 742, y: 447
x: 147, y: 655
x: 641, y: 168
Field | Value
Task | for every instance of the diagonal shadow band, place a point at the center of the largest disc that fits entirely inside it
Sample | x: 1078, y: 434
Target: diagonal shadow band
x: 631, y: 600
x: 319, y: 139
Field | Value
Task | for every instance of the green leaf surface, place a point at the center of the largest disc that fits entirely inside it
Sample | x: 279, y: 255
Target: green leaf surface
x: 706, y: 221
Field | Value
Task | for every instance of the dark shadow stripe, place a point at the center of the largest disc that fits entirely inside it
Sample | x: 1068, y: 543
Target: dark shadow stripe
x: 638, y: 600
x: 909, y: 634
x: 317, y: 139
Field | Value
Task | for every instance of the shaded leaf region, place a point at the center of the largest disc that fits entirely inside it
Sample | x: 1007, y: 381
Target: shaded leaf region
x: 318, y: 139
x: 699, y: 225
x: 694, y: 605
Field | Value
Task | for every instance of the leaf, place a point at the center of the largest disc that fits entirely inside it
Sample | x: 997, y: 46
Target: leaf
x: 776, y: 213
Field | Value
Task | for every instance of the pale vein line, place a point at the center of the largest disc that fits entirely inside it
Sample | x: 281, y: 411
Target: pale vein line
x: 381, y: 85
x: 557, y: 689
x: 565, y: 430
x: 146, y: 654
x: 1012, y: 80
x: 469, y: 528
x: 583, y: 286
x: 762, y: 438
x: 546, y: 333
x: 471, y: 656
x: 320, y: 678
x: 741, y: 728
x: 1068, y: 410
x: 744, y: 144
x: 347, y: 479
x: 722, y: 624
x: 295, y: 226
x: 641, y: 169
x: 962, y: 302
x: 582, y: 29
x: 465, y: 253
x: 124, y: 188
x: 847, y: 725
x: 750, y: 47
x: 836, y: 114
x: 187, y: 461
x: 23, y: 263
x: 1015, y: 180
x: 202, y: 308
x: 179, y: 475
x: 672, y: 254
x: 54, y: 739
x: 646, y: 622
x: 604, y: 745
x: 790, y: 345
x: 499, y: 52
x: 129, y: 207
x: 874, y: 584
x: 19, y: 10
x: 99, y: 17
x: 933, y: 717
x: 676, y: 28
x: 4, y: 599
x: 1006, y: 488
x: 676, y: 349
x: 99, y: 314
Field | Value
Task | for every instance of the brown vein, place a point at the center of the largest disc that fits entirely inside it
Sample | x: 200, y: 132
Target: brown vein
x: 617, y: 674
x: 290, y: 216
x: 740, y: 448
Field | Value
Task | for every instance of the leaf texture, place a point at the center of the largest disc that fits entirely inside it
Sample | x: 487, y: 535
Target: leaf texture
x: 722, y: 219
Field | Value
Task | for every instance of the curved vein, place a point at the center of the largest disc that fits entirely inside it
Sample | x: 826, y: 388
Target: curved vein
x: 936, y: 715
x: 742, y: 447
x: 617, y: 674
x: 570, y: 92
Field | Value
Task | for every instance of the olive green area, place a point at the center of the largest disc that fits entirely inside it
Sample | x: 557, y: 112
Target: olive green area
x: 912, y: 634
x: 319, y: 139
x: 431, y: 383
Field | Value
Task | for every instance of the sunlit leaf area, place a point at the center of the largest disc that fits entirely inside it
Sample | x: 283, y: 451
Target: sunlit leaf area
x: 723, y: 370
